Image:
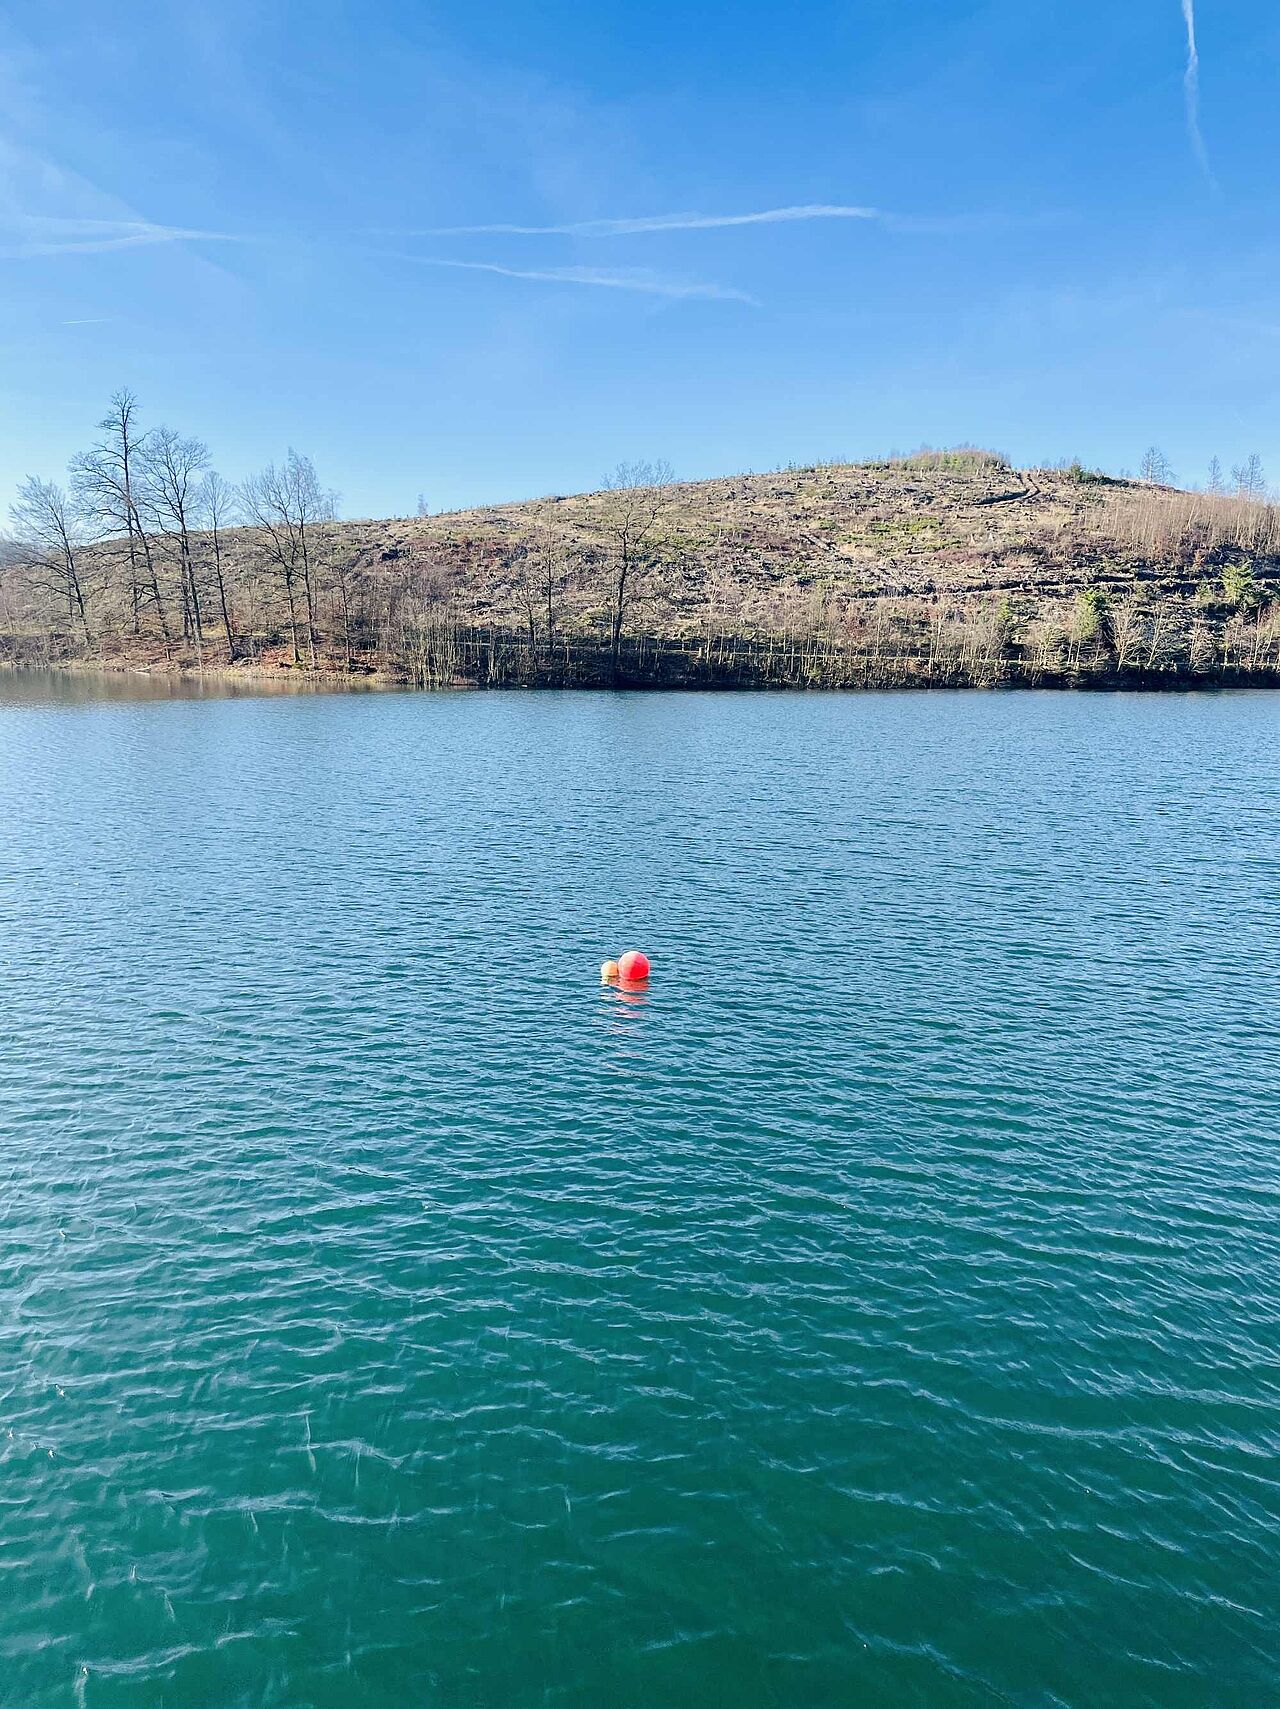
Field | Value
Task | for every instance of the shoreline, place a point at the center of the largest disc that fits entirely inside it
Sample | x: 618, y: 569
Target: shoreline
x: 300, y: 680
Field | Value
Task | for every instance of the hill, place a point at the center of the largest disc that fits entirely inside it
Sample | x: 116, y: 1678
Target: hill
x: 942, y: 568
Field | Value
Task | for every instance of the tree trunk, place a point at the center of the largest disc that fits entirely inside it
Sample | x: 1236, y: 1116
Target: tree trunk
x: 193, y: 594
x: 293, y: 614
x: 154, y: 584
x: 619, y: 608
x: 222, y: 598
x: 311, y: 601
x: 135, y: 590
x: 80, y: 606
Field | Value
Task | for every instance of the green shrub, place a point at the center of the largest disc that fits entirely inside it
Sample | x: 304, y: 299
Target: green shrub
x: 953, y: 459
x: 1092, y: 615
x: 1240, y: 587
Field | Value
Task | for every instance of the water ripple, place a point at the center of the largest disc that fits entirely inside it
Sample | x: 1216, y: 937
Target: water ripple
x: 884, y: 1308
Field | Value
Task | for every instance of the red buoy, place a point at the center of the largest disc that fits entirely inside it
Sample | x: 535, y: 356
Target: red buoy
x: 633, y: 967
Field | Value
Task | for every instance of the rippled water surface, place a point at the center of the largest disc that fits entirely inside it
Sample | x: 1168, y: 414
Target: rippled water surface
x: 883, y: 1310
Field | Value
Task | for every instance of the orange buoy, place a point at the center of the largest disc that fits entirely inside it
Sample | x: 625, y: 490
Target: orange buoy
x: 633, y: 967
x: 608, y: 972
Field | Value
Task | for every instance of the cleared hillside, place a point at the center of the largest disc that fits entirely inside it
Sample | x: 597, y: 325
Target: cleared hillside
x: 944, y: 568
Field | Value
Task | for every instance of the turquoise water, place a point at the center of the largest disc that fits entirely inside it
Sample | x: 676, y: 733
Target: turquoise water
x: 882, y: 1310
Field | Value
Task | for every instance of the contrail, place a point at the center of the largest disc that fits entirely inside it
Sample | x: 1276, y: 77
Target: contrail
x: 623, y: 280
x: 1191, y: 86
x: 656, y: 222
x: 47, y: 235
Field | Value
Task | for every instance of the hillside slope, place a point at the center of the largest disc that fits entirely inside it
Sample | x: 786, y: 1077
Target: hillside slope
x: 944, y: 568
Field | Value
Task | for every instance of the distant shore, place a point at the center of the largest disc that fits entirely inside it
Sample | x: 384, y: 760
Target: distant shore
x: 947, y: 570
x: 501, y: 662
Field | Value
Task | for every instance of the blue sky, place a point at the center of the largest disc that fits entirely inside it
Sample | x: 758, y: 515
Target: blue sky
x: 263, y: 217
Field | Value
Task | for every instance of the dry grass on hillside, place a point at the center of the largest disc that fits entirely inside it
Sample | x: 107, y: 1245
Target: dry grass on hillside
x: 763, y: 553
x: 940, y: 555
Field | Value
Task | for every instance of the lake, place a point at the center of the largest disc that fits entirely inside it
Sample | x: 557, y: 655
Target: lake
x: 881, y: 1309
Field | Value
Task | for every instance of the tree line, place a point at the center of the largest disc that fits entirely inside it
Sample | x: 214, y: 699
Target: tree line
x: 146, y: 544
x: 137, y: 536
x: 1247, y: 480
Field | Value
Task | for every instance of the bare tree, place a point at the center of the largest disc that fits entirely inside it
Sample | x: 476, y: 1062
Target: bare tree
x: 526, y: 577
x: 313, y: 506
x: 1129, y: 631
x: 345, y: 581
x: 109, y: 482
x: 639, y: 495
x: 49, y: 538
x: 287, y: 504
x: 1217, y: 485
x: 216, y: 503
x: 174, y: 466
x: 542, y: 564
x: 553, y: 558
x: 1155, y: 467
x: 263, y: 500
x: 1248, y: 478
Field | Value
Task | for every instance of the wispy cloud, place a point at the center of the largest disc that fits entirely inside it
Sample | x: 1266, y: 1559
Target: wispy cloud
x: 97, y: 320
x: 657, y: 222
x: 614, y: 279
x: 42, y: 234
x: 1191, y: 89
